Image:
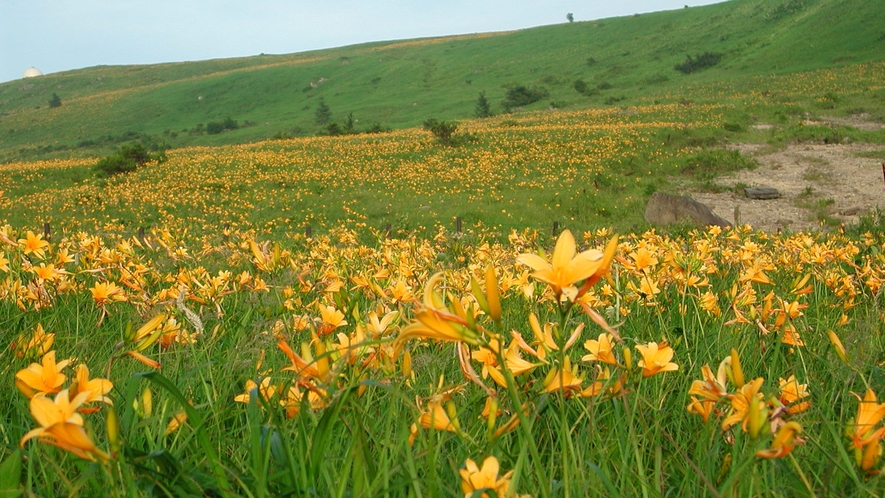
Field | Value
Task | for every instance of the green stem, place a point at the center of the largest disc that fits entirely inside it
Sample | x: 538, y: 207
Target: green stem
x: 524, y: 424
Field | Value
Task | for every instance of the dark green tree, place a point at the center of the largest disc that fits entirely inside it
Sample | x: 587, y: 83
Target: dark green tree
x: 483, y: 109
x: 55, y: 101
x: 570, y: 17
x: 323, y: 113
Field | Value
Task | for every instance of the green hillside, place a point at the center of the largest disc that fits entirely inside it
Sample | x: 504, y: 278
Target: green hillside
x: 620, y: 61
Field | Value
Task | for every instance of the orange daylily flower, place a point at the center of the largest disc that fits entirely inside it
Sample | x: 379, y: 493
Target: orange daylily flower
x: 564, y: 378
x: 600, y: 349
x: 656, y: 358
x: 792, y: 392
x: 62, y: 426
x: 566, y: 268
x: 435, y: 416
x: 436, y: 322
x: 486, y: 478
x: 44, y: 377
x: 783, y: 442
x: 711, y: 388
x: 107, y: 292
x: 38, y: 345
x: 33, y: 244
x: 331, y: 319
x: 265, y: 390
x: 94, y: 389
x: 743, y: 403
x: 702, y: 407
x: 869, y: 413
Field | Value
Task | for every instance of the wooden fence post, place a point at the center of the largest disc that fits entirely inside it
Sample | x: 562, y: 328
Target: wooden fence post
x: 458, y: 224
x: 387, y: 231
x: 47, y: 231
x: 141, y: 234
x: 224, y: 236
x: 308, y: 231
x: 555, y: 228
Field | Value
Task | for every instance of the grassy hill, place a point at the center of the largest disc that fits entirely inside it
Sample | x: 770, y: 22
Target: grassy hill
x: 620, y: 61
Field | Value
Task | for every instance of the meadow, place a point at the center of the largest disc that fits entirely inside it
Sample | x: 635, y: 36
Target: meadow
x: 386, y: 315
x: 328, y: 366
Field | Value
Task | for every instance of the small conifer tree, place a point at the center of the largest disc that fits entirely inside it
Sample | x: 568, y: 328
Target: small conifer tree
x: 323, y: 113
x: 483, y: 109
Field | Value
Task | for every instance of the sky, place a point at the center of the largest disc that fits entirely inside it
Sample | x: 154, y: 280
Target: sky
x: 59, y: 35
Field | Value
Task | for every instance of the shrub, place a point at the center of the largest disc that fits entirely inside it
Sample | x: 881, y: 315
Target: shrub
x: 129, y: 158
x: 442, y: 130
x: 520, y: 95
x: 55, y: 101
x: 216, y: 127
x: 702, y: 61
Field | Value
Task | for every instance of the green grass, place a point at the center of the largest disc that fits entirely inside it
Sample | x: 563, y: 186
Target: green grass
x: 641, y: 443
x: 588, y: 166
x: 401, y: 84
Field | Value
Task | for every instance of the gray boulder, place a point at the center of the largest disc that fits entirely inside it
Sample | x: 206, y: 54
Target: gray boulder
x: 666, y: 209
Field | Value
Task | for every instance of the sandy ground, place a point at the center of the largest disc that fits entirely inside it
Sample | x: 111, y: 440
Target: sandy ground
x: 834, y: 178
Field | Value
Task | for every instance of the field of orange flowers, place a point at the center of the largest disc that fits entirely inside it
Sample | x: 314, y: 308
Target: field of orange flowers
x: 522, y: 170
x: 716, y: 363
x: 227, y: 351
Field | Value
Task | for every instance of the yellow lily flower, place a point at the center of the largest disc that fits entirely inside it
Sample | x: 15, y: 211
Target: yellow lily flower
x: 62, y: 426
x: 44, y: 377
x: 563, y: 379
x: 600, y: 349
x: 742, y: 403
x: 656, y: 358
x: 436, y: 322
x: 712, y: 388
x: 94, y: 389
x: 792, y: 392
x: 869, y: 414
x: 783, y: 442
x: 37, y: 345
x: 474, y: 478
x: 566, y: 268
x: 33, y: 244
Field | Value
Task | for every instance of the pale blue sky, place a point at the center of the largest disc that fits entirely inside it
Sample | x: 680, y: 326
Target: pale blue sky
x: 58, y: 35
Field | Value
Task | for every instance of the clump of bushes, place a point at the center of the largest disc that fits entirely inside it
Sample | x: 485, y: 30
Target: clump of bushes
x: 216, y: 127
x: 699, y: 62
x: 584, y: 88
x: 520, y: 95
x: 129, y: 158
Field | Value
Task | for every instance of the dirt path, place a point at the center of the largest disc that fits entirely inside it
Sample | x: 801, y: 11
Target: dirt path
x: 814, y: 180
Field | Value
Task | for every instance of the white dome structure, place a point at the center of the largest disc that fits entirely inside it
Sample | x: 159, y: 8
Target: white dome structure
x: 32, y: 72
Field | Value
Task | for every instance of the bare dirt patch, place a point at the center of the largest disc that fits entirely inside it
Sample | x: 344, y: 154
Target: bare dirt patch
x: 833, y: 180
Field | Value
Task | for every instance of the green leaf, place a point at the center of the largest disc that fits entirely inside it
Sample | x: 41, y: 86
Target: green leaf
x: 10, y: 476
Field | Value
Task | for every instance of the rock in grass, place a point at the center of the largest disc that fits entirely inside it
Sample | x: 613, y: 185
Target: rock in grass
x: 761, y: 193
x: 666, y: 209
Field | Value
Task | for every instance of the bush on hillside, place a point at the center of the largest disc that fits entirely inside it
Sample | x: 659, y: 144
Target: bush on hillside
x: 699, y: 62
x: 519, y: 95
x: 55, y: 101
x: 129, y: 158
x: 216, y: 127
x: 584, y: 88
x: 442, y: 130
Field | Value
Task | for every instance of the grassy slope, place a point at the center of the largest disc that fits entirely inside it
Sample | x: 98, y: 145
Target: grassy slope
x: 400, y: 84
